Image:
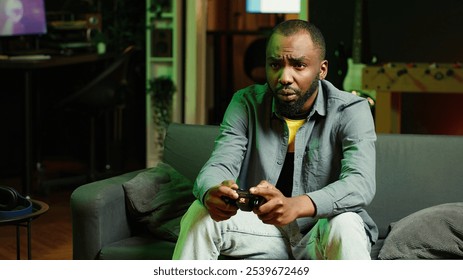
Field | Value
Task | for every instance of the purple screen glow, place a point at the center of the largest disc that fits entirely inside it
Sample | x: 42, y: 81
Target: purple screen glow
x: 22, y: 17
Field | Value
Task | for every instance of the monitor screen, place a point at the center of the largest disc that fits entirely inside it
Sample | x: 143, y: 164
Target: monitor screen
x: 273, y: 6
x: 22, y: 17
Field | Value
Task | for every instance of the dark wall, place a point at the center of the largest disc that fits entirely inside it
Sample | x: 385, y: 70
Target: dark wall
x: 416, y: 30
x: 335, y: 19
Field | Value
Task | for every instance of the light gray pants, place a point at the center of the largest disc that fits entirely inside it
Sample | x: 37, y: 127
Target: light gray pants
x: 244, y: 236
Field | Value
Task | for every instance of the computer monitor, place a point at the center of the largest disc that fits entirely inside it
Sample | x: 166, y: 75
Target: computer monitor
x: 273, y: 6
x: 22, y: 17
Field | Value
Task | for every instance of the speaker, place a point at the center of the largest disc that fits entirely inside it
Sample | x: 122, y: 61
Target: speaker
x: 161, y: 45
x: 93, y: 25
x: 93, y: 21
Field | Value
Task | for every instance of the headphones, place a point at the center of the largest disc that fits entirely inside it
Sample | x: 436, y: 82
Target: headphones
x: 12, y: 204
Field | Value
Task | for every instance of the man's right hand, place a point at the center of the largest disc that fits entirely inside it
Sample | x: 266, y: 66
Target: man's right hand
x: 217, y: 207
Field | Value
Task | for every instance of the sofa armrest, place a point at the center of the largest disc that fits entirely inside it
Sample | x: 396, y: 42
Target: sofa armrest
x: 99, y: 215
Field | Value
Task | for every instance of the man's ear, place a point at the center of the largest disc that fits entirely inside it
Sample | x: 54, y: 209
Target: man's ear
x: 323, y: 69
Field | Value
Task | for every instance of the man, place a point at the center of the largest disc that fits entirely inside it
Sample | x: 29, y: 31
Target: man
x: 304, y: 146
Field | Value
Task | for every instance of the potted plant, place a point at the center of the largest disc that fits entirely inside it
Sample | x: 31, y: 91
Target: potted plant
x: 162, y: 90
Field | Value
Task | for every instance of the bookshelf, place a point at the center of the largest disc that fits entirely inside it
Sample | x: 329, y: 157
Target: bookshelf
x: 164, y: 58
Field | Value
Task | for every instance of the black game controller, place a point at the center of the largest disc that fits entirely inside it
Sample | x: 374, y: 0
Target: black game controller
x: 245, y: 201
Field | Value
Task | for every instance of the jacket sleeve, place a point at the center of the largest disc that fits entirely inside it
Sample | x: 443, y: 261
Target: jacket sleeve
x: 356, y: 185
x: 230, y: 146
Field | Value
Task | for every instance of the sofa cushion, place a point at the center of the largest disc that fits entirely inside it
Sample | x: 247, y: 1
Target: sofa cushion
x: 140, y: 247
x: 432, y: 233
x: 158, y: 198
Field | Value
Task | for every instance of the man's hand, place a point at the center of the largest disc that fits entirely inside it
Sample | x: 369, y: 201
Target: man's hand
x: 280, y: 210
x: 218, y: 209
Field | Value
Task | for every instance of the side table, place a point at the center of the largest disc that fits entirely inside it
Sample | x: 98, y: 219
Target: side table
x: 39, y: 208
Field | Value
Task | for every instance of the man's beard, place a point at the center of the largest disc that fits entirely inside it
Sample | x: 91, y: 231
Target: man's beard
x: 293, y: 110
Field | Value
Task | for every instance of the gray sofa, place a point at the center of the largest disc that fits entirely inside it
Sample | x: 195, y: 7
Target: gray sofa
x: 414, y: 173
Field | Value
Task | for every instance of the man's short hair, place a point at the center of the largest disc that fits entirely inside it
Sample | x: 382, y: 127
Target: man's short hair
x: 293, y: 26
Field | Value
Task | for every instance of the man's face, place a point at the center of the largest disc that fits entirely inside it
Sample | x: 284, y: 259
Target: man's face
x: 293, y: 69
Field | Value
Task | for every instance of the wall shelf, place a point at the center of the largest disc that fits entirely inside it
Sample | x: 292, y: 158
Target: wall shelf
x: 164, y: 58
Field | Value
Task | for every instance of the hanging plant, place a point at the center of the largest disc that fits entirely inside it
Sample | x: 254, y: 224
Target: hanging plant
x: 162, y: 90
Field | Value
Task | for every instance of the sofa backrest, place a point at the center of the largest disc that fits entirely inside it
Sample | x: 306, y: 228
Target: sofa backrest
x: 415, y: 172
x: 412, y: 171
x: 187, y: 147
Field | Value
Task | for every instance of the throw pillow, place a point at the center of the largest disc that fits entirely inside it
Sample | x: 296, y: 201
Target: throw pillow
x: 158, y: 198
x: 432, y: 233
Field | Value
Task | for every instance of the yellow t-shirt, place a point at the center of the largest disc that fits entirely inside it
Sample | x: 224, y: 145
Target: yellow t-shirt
x: 293, y: 126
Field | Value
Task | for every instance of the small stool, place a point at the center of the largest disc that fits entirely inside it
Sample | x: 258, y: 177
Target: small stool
x: 39, y: 208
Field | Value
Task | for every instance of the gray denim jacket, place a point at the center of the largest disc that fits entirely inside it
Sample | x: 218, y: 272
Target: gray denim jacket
x: 334, y: 157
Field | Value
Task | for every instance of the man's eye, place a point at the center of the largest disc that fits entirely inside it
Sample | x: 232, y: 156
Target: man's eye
x: 299, y: 66
x: 274, y: 65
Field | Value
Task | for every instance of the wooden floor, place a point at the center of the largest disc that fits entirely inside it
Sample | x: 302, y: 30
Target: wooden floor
x: 51, y: 232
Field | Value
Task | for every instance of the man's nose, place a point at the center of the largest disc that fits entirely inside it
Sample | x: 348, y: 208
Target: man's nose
x: 286, y: 77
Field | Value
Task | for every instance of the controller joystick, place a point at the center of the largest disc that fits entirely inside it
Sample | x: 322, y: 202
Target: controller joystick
x: 245, y: 201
